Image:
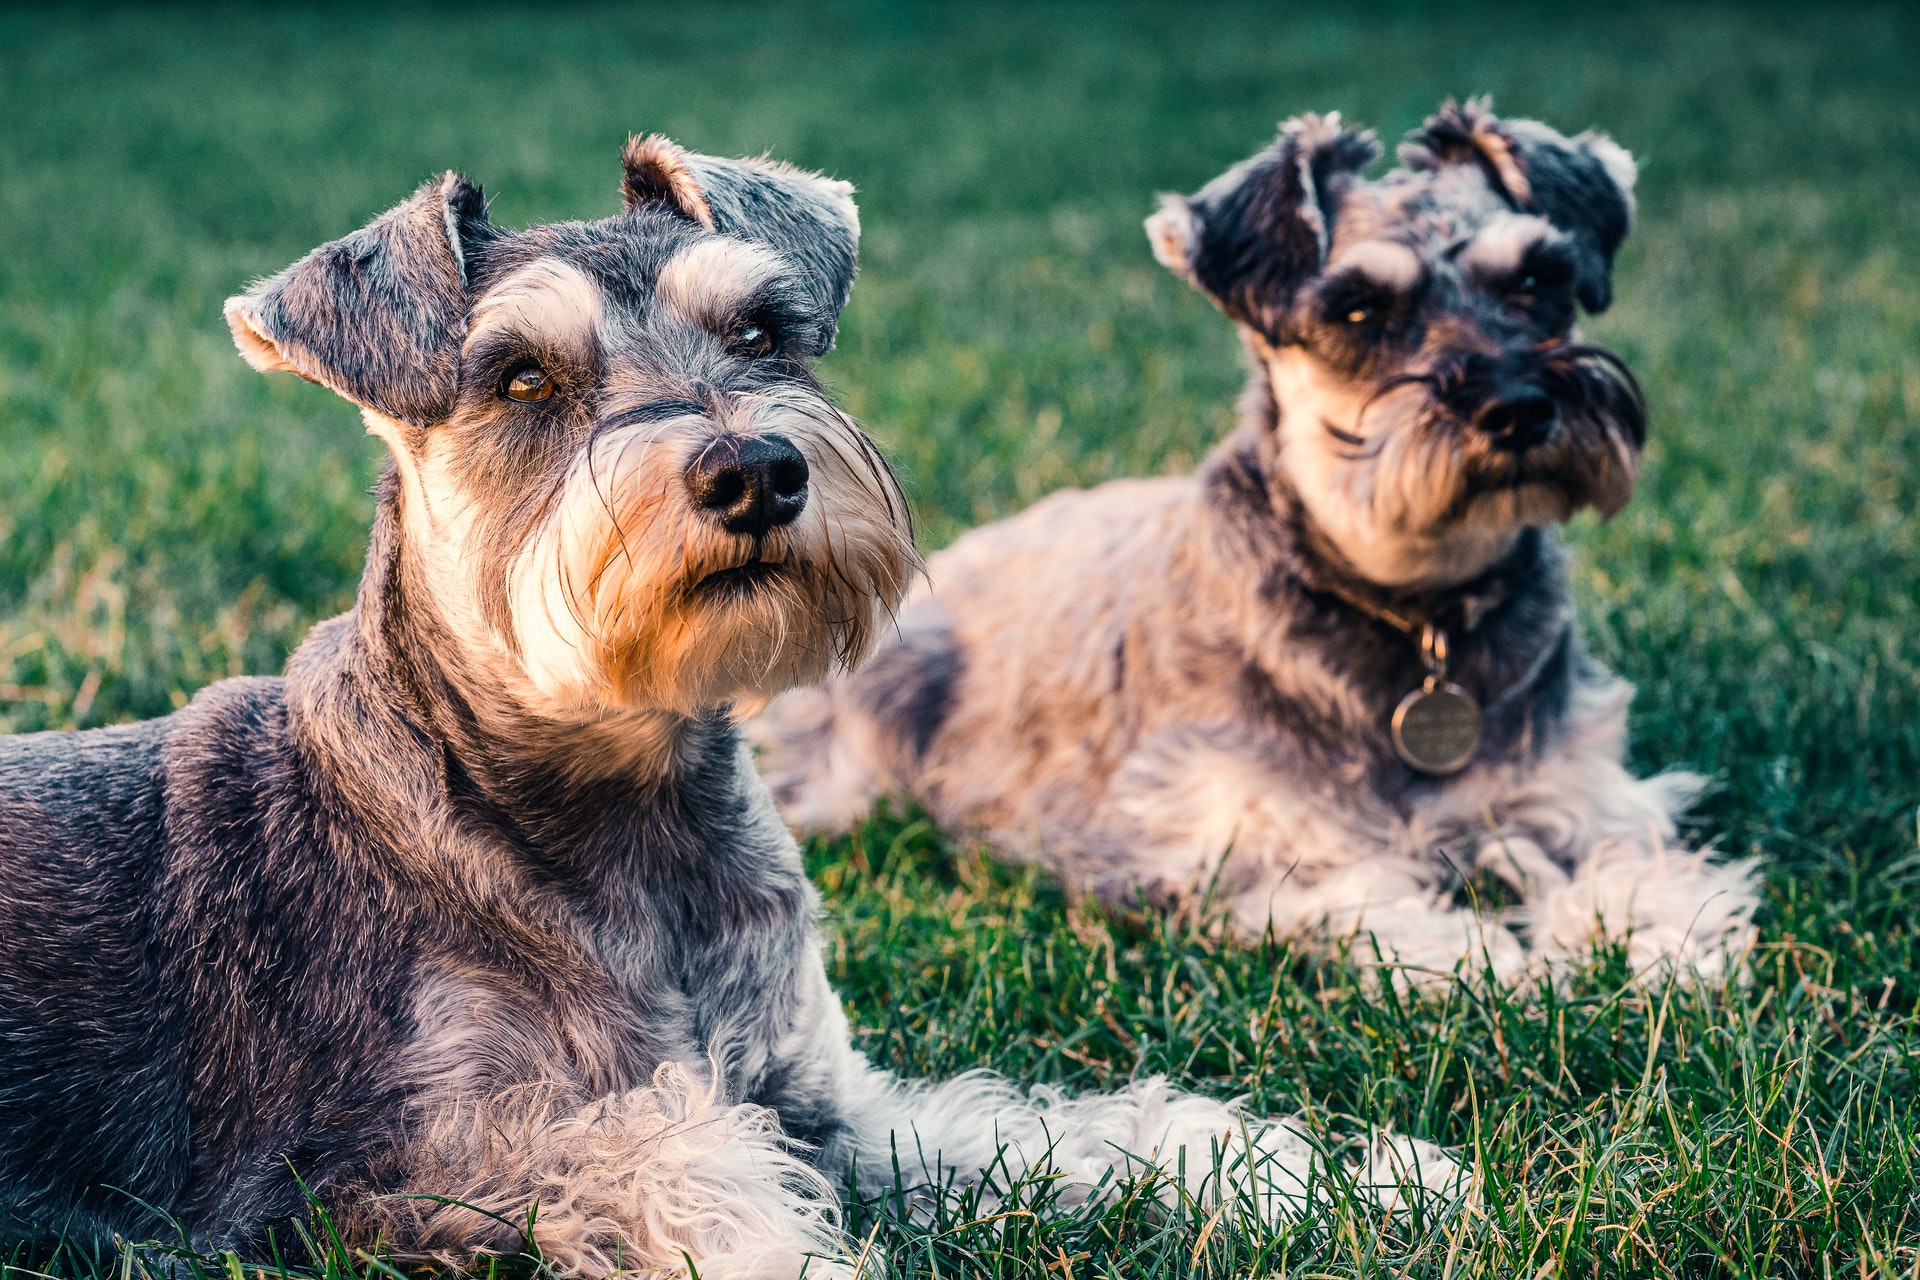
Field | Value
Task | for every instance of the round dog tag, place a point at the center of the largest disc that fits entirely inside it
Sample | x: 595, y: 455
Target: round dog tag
x: 1436, y: 728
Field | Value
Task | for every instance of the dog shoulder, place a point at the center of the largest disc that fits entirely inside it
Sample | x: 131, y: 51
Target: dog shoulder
x: 82, y: 800
x: 51, y: 779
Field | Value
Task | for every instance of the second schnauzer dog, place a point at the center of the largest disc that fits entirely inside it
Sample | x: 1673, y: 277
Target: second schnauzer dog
x: 1338, y: 668
x: 484, y: 900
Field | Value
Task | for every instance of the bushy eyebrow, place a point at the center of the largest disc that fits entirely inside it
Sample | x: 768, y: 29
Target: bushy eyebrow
x: 1508, y: 242
x: 1384, y: 264
x: 548, y: 300
x: 716, y: 281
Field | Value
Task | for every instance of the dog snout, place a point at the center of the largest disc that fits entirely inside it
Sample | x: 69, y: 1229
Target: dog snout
x: 750, y: 485
x: 1518, y: 418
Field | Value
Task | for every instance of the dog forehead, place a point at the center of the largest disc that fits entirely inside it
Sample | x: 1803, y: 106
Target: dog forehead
x: 621, y: 256
x: 1437, y: 206
x: 547, y: 295
x: 1436, y: 215
x: 617, y: 269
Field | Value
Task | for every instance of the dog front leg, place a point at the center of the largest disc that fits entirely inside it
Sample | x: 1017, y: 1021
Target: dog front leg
x: 1212, y: 808
x: 650, y: 1182
x: 1385, y: 909
x: 1676, y: 910
x: 1595, y: 854
x: 980, y: 1130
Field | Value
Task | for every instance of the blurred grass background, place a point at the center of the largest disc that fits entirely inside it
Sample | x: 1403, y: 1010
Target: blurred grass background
x: 168, y: 517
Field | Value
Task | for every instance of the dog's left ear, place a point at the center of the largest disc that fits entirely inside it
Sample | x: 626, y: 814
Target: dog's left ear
x: 809, y: 220
x: 378, y: 315
x: 1583, y: 185
x: 1250, y: 237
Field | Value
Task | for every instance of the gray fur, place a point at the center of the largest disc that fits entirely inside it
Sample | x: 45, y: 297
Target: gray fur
x: 1157, y: 684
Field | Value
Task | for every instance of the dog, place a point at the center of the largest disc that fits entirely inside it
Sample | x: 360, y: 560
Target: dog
x: 481, y: 914
x: 1334, y: 677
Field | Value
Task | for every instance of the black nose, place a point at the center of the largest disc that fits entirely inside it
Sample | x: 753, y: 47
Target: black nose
x: 751, y: 485
x: 1520, y: 419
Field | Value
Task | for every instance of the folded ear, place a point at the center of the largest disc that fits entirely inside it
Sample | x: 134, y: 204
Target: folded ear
x: 1250, y: 237
x: 1583, y: 185
x: 379, y: 315
x: 657, y: 170
x: 809, y: 220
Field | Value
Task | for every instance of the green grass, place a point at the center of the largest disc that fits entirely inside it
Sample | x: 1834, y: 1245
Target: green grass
x: 168, y: 517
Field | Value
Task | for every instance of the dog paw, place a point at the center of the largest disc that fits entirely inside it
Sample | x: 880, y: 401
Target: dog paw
x: 781, y: 1264
x: 1678, y: 912
x: 1400, y: 1174
x: 1425, y: 946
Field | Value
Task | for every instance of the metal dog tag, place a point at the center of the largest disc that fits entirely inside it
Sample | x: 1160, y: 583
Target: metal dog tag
x: 1436, y: 728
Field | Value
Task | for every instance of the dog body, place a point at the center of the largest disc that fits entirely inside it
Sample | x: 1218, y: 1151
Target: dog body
x: 1158, y: 684
x: 250, y: 976
x: 484, y: 901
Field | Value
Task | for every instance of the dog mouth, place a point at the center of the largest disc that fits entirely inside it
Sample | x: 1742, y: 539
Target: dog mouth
x: 1548, y: 483
x: 740, y: 580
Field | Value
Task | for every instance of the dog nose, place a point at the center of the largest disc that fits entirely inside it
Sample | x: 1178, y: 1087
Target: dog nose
x: 1519, y: 419
x: 751, y: 485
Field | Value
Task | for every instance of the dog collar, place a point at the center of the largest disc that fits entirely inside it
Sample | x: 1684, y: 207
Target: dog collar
x: 1436, y: 727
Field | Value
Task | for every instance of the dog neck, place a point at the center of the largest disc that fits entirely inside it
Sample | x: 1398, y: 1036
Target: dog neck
x: 1316, y: 561
x: 414, y: 738
x: 1458, y: 608
x: 1313, y: 625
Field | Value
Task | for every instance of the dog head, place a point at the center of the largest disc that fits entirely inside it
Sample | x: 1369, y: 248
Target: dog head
x: 1417, y: 332
x: 621, y: 483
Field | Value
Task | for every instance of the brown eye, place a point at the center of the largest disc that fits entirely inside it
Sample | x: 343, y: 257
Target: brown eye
x: 1359, y: 315
x: 752, y: 342
x: 529, y: 384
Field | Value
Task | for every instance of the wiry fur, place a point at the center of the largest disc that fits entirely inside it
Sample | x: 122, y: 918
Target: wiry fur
x: 1162, y: 686
x: 629, y: 1182
x: 484, y: 901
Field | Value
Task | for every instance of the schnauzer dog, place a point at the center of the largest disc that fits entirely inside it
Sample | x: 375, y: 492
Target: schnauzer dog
x: 483, y: 906
x: 1335, y: 674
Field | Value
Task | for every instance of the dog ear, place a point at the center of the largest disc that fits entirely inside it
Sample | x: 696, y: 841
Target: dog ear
x: 1249, y: 238
x: 657, y: 170
x: 1583, y: 185
x: 809, y: 220
x: 377, y: 316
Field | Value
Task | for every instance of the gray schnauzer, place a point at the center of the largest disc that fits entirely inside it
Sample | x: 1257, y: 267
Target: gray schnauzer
x: 484, y: 900
x: 1334, y: 674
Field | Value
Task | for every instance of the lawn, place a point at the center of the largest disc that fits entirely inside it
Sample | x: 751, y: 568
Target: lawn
x: 168, y: 517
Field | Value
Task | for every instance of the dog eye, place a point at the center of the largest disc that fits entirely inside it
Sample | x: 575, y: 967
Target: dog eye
x: 1547, y: 275
x: 752, y: 342
x: 528, y: 384
x: 1359, y: 315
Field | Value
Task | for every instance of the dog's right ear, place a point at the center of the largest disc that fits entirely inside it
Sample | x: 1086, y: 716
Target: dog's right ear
x: 1249, y: 238
x: 1584, y: 185
x: 808, y: 219
x: 379, y: 315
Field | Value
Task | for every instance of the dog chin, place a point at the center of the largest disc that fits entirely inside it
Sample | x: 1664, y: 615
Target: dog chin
x: 1524, y: 505
x: 1602, y: 478
x: 736, y: 637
